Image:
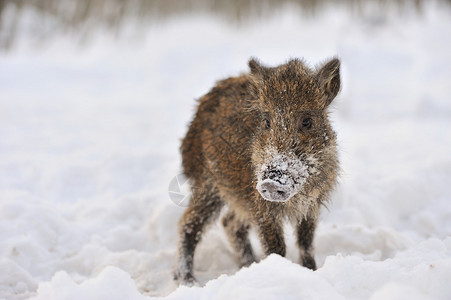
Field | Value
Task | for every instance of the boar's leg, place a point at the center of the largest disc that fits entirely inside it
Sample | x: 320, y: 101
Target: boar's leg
x: 304, y: 233
x: 237, y: 232
x: 204, y: 207
x: 271, y: 235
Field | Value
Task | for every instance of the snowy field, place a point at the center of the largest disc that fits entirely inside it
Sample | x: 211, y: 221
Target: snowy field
x: 89, y: 137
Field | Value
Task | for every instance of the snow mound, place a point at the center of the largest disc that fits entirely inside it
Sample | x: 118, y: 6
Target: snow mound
x: 421, y: 272
x: 112, y: 283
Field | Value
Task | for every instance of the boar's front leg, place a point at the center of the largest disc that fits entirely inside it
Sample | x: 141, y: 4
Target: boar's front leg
x: 304, y: 233
x: 204, y: 207
x: 270, y: 231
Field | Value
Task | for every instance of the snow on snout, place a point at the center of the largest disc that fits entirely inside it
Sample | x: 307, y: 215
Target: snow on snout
x: 281, y: 176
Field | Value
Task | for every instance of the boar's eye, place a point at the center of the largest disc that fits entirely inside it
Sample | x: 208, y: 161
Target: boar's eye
x: 305, y: 123
x: 267, y: 123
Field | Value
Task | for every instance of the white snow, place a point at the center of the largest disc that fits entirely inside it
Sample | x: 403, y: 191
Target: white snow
x: 89, y: 138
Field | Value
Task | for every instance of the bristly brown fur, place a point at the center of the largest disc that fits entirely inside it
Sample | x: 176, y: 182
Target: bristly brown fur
x: 235, y: 126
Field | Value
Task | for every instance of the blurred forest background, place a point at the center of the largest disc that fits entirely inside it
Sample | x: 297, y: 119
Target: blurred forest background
x: 84, y: 18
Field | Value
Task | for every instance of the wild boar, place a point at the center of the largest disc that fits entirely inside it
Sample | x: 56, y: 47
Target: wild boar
x: 261, y: 145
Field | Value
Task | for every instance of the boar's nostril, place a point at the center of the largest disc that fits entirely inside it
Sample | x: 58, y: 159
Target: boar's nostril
x: 281, y: 193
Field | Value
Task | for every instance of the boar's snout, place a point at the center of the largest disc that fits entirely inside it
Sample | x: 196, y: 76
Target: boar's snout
x: 281, y: 176
x: 274, y: 191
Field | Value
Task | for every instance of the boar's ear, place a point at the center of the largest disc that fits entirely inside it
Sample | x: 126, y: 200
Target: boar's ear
x: 257, y: 69
x: 329, y: 79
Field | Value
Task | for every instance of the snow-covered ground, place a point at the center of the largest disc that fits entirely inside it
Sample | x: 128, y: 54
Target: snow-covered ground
x: 89, y: 138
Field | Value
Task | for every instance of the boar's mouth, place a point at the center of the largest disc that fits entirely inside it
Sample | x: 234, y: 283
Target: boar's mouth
x: 281, y: 177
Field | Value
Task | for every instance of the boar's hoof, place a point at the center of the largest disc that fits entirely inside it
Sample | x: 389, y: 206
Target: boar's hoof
x: 186, y: 279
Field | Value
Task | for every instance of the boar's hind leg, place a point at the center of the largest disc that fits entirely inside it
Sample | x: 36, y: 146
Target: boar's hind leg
x: 237, y: 232
x: 305, y: 232
x: 205, y: 206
